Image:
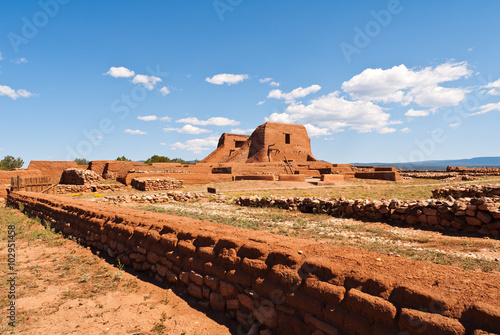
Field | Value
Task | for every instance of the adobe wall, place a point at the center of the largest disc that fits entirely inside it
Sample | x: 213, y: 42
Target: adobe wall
x: 98, y: 166
x: 228, y: 144
x: 278, y: 284
x: 53, y: 169
x: 119, y: 169
x: 6, y: 178
x: 380, y: 175
x: 269, y: 143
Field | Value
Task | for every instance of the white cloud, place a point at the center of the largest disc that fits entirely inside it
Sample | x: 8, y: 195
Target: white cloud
x: 403, y: 85
x: 261, y: 102
x: 299, y: 92
x: 242, y: 131
x: 495, y: 87
x: 270, y: 81
x: 213, y: 121
x: 148, y: 118
x: 405, y: 130
x: 187, y: 129
x: 164, y: 90
x: 226, y: 78
x: 148, y: 81
x: 135, y: 132
x: 21, y: 60
x: 417, y: 113
x: 470, y: 49
x: 488, y: 108
x: 453, y: 125
x: 316, y: 131
x: 197, y: 145
x: 386, y: 130
x: 120, y: 72
x: 163, y: 143
x: 335, y: 113
x: 14, y: 94
x: 166, y: 118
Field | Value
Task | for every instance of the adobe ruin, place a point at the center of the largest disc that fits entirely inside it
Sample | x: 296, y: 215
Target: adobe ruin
x: 270, y: 142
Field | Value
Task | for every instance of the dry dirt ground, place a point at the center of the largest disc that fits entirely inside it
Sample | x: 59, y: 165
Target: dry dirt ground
x: 64, y: 288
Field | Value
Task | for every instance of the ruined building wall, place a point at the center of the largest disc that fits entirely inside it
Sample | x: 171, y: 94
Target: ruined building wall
x: 278, y: 284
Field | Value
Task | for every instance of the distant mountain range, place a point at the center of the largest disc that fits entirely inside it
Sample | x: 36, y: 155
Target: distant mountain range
x: 442, y: 164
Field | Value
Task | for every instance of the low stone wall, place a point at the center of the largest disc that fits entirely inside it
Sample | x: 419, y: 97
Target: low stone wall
x: 471, y: 191
x: 69, y: 189
x: 281, y: 285
x: 380, y: 175
x: 292, y: 177
x: 75, y: 176
x: 328, y: 178
x: 492, y: 171
x: 478, y: 215
x: 156, y: 184
x: 268, y: 177
x: 186, y: 177
x: 159, y: 198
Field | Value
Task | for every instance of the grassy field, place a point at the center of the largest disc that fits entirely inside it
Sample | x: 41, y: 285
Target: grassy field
x: 355, y: 189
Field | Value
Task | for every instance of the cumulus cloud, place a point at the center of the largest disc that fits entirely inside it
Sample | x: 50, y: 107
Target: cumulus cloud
x: 187, y: 129
x: 386, y: 130
x: 120, y: 72
x: 166, y: 118
x: 196, y: 145
x: 135, y: 132
x: 405, y: 86
x: 14, y: 94
x: 405, y: 130
x: 213, y: 121
x: 494, y: 87
x: 261, y: 102
x: 164, y: 90
x: 226, y: 78
x: 148, y: 81
x: 148, y: 118
x: 453, y: 125
x: 416, y: 113
x: 242, y: 131
x: 335, y: 113
x: 488, y: 108
x: 316, y: 131
x: 270, y: 81
x: 299, y: 92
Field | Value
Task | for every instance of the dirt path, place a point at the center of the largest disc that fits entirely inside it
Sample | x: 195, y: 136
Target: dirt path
x: 63, y: 288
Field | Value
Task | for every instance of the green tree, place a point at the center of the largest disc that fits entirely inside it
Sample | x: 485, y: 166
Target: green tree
x: 123, y: 158
x: 9, y: 163
x: 82, y: 161
x: 163, y: 159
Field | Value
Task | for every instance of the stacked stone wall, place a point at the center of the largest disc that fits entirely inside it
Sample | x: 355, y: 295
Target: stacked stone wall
x: 477, y: 215
x: 280, y: 285
x: 156, y: 184
x: 471, y: 191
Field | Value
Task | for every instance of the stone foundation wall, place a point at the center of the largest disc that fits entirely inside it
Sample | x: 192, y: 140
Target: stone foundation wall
x: 75, y: 176
x: 156, y: 184
x: 292, y: 177
x: 68, y: 189
x: 471, y: 191
x: 279, y: 285
x: 478, y: 215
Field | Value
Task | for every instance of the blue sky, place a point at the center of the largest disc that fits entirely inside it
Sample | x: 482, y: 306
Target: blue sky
x: 384, y: 81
